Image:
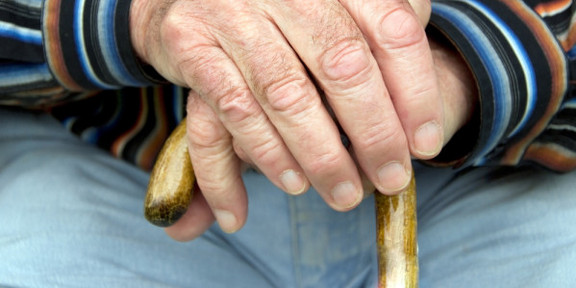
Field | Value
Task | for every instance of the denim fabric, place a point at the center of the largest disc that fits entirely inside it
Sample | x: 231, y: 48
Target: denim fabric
x: 72, y: 216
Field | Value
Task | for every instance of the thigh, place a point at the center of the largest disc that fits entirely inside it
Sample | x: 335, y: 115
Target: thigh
x: 497, y: 227
x: 72, y: 217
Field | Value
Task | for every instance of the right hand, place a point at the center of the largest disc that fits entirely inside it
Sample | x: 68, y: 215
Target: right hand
x: 247, y: 62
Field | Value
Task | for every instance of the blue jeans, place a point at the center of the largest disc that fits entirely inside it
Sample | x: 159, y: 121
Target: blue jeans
x: 72, y: 216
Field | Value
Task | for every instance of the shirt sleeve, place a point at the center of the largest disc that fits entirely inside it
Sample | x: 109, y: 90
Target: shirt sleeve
x: 54, y: 50
x: 521, y: 55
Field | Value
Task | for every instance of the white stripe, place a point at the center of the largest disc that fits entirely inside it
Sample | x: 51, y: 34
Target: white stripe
x: 562, y: 127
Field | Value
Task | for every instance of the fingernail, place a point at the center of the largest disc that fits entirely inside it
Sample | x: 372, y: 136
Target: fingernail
x: 346, y: 195
x: 393, y: 177
x: 226, y: 220
x: 428, y: 139
x: 293, y: 182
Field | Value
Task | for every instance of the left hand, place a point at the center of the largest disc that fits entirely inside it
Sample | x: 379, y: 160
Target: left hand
x: 395, y: 100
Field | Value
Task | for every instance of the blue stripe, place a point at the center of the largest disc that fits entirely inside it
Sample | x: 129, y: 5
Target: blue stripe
x: 178, y: 103
x: 497, y: 73
x: 569, y: 104
x: 91, y: 135
x: 23, y: 73
x: 572, y: 52
x: 30, y: 3
x: 109, y: 48
x: 81, y: 48
x: 522, y: 55
x: 21, y: 34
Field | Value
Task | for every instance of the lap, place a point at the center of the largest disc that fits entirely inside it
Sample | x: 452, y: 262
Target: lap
x: 498, y: 227
x: 72, y: 216
x: 76, y: 219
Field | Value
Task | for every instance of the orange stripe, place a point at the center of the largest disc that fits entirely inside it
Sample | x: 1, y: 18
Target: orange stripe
x: 552, y: 156
x: 118, y: 146
x: 570, y: 40
x: 156, y: 138
x: 556, y: 59
x: 551, y: 7
x: 55, y: 56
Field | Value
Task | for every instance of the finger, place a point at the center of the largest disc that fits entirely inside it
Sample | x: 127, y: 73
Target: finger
x: 218, y: 81
x: 367, y: 185
x: 197, y: 219
x: 241, y: 153
x: 281, y: 84
x: 399, y: 44
x: 423, y: 9
x: 216, y: 166
x: 340, y: 59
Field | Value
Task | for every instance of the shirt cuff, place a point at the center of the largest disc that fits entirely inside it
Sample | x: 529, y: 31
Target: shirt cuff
x: 520, y: 71
x: 87, y: 45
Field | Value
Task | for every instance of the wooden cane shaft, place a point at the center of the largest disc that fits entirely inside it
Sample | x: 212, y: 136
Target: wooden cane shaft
x: 397, y: 239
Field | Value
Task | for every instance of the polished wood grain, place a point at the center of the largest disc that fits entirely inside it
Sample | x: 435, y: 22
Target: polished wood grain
x: 397, y: 239
x: 171, y: 181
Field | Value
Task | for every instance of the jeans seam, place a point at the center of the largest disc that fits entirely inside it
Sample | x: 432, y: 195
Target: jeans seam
x: 295, y: 241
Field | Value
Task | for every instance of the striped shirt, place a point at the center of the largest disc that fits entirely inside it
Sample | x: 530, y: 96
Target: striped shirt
x: 75, y: 60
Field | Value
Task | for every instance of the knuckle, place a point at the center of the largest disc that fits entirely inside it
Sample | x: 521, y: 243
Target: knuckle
x: 347, y: 64
x: 195, y: 65
x: 381, y: 135
x: 214, y: 169
x: 199, y: 62
x: 321, y: 164
x: 206, y: 136
x: 420, y: 99
x: 278, y: 79
x: 399, y: 28
x: 265, y: 153
x: 288, y: 93
x: 421, y: 95
x: 214, y: 181
x: 171, y: 24
x: 235, y: 103
x: 172, y: 28
x: 214, y: 185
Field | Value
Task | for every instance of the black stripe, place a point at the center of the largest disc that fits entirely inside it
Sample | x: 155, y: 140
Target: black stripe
x: 145, y: 74
x: 538, y: 60
x: 91, y: 41
x: 14, y: 50
x: 134, y: 144
x: 560, y: 22
x: 565, y: 117
x: 564, y: 138
x: 512, y: 64
x: 21, y: 15
x: 111, y: 112
x: 69, y: 47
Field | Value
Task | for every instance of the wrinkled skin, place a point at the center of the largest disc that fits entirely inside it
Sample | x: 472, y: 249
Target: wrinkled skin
x: 254, y: 67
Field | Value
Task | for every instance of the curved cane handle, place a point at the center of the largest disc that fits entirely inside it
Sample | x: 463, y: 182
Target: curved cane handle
x: 171, y: 181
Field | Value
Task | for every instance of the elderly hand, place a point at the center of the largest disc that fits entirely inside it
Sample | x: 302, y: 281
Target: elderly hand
x: 254, y: 65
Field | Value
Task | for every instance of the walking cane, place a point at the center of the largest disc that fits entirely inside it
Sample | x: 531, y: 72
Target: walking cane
x: 170, y: 192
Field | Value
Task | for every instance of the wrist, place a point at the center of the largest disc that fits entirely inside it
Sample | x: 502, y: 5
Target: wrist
x: 456, y: 81
x: 459, y: 91
x: 139, y: 19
